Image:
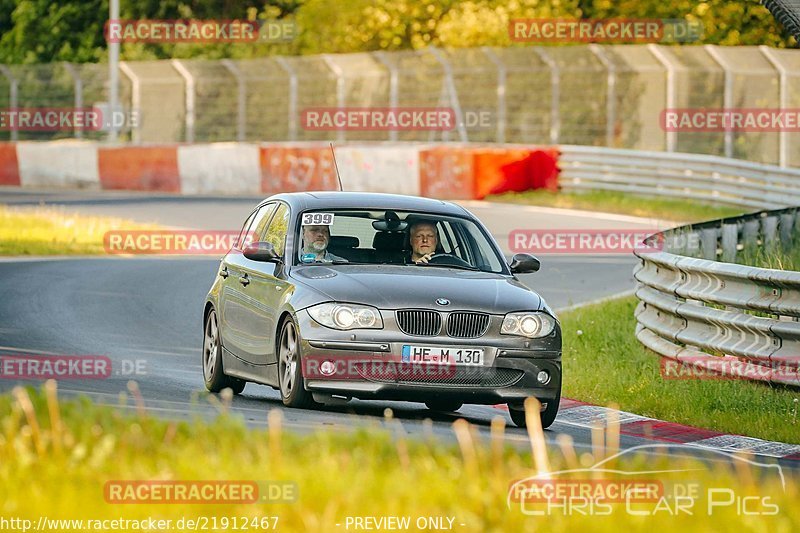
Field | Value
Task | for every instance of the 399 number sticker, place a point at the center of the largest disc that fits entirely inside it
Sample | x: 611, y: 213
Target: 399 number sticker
x: 317, y: 219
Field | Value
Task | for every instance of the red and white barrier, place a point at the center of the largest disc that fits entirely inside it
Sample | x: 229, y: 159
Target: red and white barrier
x: 436, y: 170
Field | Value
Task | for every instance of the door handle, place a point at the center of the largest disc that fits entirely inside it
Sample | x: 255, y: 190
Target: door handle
x: 224, y: 272
x: 244, y: 280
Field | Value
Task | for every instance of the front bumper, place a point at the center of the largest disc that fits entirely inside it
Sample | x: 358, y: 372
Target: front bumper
x: 367, y: 366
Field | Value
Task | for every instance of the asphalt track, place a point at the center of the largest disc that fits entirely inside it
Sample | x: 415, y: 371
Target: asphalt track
x: 147, y: 311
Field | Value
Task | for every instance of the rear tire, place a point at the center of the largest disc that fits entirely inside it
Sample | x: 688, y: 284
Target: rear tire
x: 290, y: 374
x: 213, y: 371
x: 444, y: 405
x: 548, y: 416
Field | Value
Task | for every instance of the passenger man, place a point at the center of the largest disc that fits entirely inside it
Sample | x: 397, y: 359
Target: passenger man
x: 315, y: 241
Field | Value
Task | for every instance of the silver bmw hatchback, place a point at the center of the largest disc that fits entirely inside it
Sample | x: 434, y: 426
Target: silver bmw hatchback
x: 329, y: 296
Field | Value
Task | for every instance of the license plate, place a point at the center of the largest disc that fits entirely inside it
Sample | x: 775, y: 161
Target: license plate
x: 442, y: 356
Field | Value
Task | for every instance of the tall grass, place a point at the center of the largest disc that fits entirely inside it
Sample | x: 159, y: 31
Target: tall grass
x: 55, y: 458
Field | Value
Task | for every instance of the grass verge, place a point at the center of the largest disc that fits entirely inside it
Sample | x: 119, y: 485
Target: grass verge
x: 678, y: 210
x: 57, y: 458
x: 49, y: 231
x: 604, y: 363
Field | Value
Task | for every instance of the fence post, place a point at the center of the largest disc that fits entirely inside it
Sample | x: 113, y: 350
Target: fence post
x: 393, y: 86
x: 136, y: 100
x: 190, y: 98
x: 113, y: 71
x: 555, y: 95
x: 76, y: 78
x: 13, y: 95
x: 727, y: 97
x: 451, y: 89
x: 292, y: 124
x: 671, y: 137
x: 783, y: 135
x: 501, y: 92
x: 241, y: 99
x: 611, y: 84
x: 340, y: 94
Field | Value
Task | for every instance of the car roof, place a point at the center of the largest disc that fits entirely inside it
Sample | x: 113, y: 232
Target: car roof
x: 366, y: 200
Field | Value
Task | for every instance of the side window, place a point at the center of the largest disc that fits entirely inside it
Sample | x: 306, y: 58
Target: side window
x: 276, y: 233
x: 259, y: 225
x: 240, y: 241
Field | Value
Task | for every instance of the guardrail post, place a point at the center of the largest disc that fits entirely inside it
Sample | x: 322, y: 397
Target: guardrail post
x: 502, y: 74
x: 730, y: 240
x: 393, y: 87
x: 728, y: 94
x: 555, y: 95
x: 451, y: 89
x: 190, y: 98
x: 13, y: 95
x: 787, y: 229
x: 709, y: 238
x: 769, y: 228
x: 340, y: 89
x: 292, y: 119
x: 136, y: 99
x: 241, y: 99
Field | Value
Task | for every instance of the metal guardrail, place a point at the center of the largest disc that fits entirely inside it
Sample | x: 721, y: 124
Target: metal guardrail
x: 679, y: 175
x: 706, y: 314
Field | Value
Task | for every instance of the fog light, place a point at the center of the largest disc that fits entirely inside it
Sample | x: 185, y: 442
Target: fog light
x: 543, y: 377
x: 327, y: 368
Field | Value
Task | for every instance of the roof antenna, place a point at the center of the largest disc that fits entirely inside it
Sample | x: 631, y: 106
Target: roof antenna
x: 337, y: 169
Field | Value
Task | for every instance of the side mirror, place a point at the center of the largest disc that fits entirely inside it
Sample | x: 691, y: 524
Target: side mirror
x: 261, y: 251
x: 524, y: 264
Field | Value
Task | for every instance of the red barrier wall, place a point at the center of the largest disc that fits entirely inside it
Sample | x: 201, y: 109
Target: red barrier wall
x: 474, y: 173
x: 9, y: 167
x: 291, y: 169
x: 140, y: 168
x: 446, y: 173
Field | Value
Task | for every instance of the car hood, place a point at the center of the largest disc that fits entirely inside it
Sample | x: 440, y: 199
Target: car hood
x: 397, y: 287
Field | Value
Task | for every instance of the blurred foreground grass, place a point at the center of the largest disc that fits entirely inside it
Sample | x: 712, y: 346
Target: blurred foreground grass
x: 604, y: 362
x: 679, y: 210
x: 52, y: 231
x: 56, y: 457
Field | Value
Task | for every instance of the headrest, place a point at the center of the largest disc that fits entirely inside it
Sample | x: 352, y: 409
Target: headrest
x: 343, y: 241
x: 389, y: 241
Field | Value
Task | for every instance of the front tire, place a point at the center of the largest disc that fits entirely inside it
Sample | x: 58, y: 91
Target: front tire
x: 548, y: 416
x: 290, y: 374
x: 213, y: 372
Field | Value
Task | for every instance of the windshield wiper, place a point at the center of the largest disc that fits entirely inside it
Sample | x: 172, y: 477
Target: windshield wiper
x: 462, y: 267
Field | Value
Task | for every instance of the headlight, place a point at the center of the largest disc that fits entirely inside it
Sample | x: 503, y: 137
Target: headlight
x: 346, y: 316
x: 532, y: 325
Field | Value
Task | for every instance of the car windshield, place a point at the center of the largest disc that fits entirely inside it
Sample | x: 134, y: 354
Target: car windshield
x: 414, y: 239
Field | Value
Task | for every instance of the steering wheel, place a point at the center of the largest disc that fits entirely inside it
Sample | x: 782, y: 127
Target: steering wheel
x: 448, y: 259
